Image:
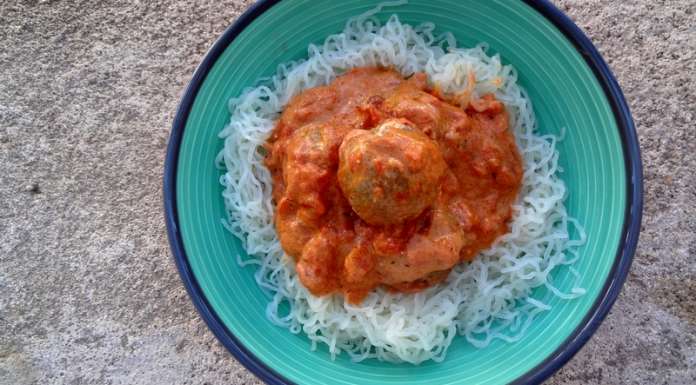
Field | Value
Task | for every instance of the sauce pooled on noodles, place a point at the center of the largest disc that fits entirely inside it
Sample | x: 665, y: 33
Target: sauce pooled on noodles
x: 381, y: 180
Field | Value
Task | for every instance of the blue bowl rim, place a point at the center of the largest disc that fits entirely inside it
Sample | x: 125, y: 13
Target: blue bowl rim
x: 604, y: 301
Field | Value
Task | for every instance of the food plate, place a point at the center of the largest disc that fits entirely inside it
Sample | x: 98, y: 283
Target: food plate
x: 569, y: 85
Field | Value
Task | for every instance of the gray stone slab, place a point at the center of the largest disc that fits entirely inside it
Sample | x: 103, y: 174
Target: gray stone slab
x: 88, y: 290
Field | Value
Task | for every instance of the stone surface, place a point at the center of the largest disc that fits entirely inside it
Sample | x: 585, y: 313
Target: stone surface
x: 88, y: 291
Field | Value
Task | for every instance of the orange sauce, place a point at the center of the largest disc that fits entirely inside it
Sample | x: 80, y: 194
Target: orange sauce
x: 380, y: 180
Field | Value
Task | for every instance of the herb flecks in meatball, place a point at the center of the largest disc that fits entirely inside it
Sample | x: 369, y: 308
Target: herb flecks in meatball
x: 391, y: 173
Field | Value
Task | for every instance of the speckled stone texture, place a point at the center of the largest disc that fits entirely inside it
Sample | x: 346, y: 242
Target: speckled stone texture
x: 89, y: 293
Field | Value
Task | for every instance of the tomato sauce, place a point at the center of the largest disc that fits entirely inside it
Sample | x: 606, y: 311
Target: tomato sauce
x: 382, y: 180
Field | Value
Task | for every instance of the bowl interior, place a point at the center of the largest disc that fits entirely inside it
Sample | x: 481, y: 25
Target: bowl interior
x: 565, y: 93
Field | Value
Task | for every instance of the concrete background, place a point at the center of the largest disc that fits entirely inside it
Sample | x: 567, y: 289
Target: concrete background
x: 89, y: 293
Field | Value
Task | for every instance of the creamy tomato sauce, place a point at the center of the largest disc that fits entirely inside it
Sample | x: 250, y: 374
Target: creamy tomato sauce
x: 380, y: 180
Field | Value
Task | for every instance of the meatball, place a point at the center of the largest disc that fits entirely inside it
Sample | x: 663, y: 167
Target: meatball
x: 418, y: 107
x: 391, y: 173
x: 317, y: 265
x: 436, y: 250
x: 311, y: 154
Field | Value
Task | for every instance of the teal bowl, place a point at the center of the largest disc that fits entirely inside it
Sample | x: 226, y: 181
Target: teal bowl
x: 570, y: 86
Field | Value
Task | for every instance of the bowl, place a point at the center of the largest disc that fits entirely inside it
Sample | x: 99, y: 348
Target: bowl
x: 570, y: 86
